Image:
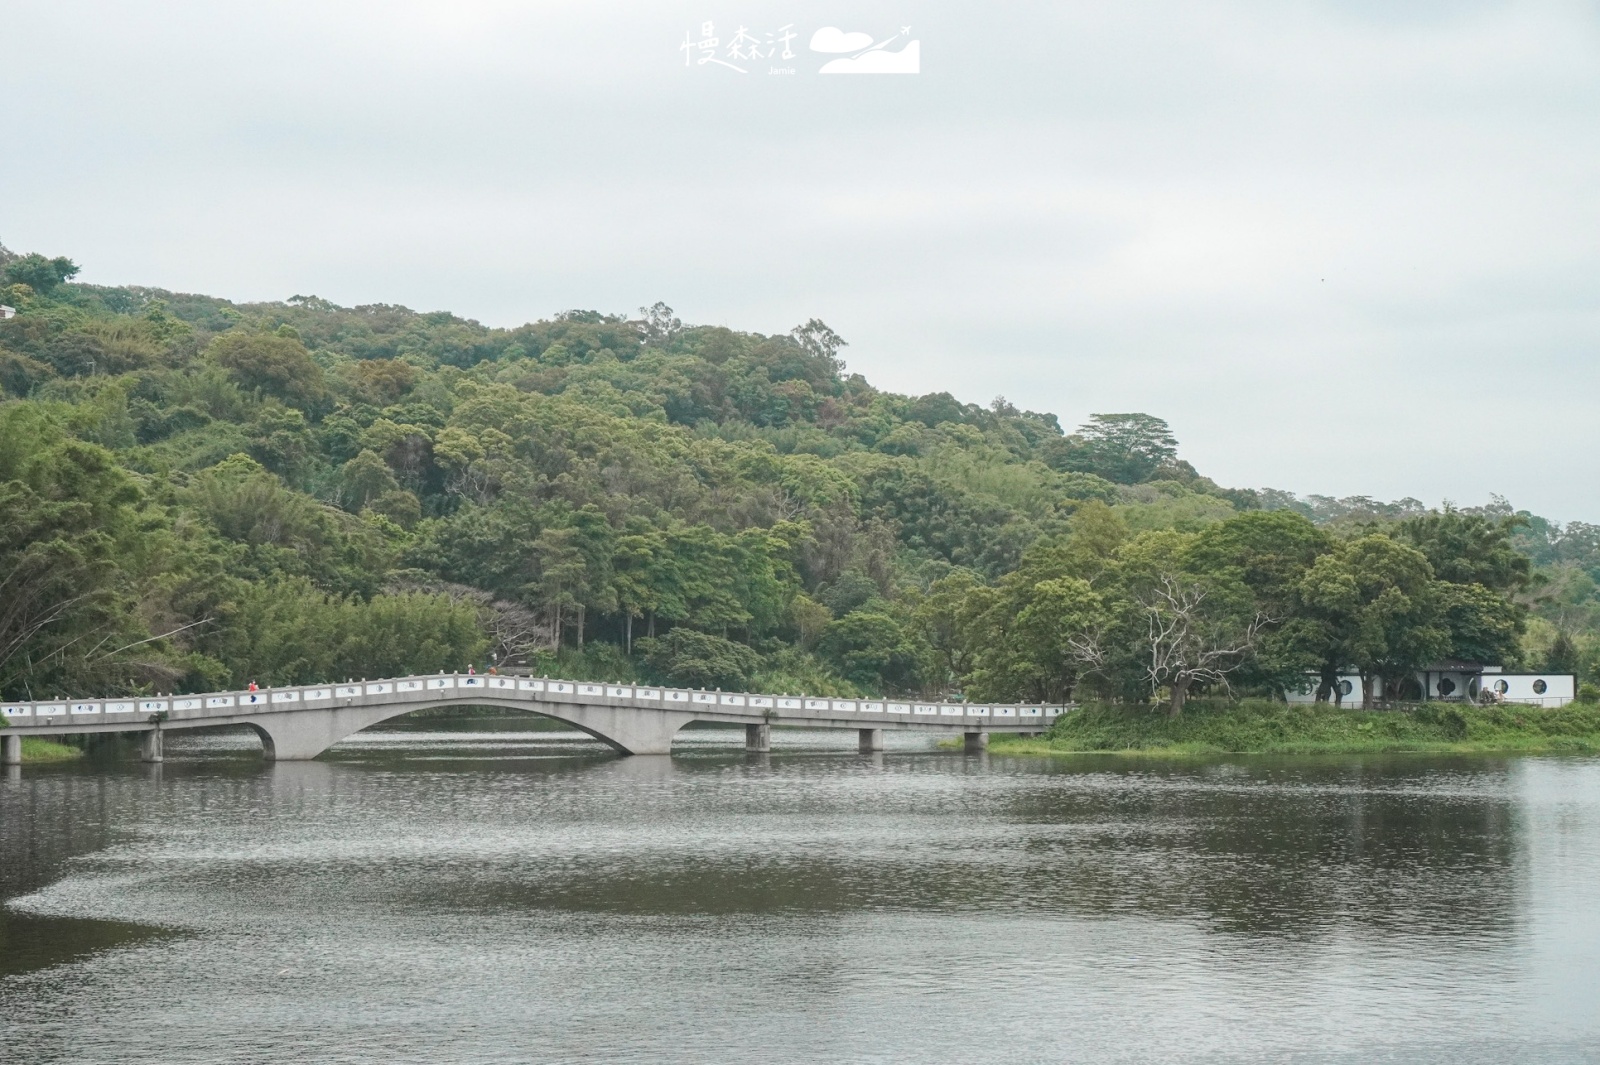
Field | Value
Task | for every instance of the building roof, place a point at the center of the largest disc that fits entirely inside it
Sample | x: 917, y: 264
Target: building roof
x: 1458, y: 665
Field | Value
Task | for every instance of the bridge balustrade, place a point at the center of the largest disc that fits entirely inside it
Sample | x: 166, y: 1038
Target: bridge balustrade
x: 463, y: 686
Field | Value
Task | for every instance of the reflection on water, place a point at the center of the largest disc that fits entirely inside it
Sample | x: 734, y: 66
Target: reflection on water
x: 475, y: 891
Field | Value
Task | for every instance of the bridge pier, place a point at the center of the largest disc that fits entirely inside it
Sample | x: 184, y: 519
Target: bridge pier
x: 10, y: 750
x: 871, y: 739
x: 758, y: 738
x: 152, y: 748
x: 975, y: 742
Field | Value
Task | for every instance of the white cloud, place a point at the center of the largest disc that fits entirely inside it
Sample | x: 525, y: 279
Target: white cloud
x: 832, y: 39
x: 907, y: 60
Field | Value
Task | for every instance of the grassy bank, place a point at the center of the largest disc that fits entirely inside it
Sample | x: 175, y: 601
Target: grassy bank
x: 1263, y: 727
x: 39, y: 749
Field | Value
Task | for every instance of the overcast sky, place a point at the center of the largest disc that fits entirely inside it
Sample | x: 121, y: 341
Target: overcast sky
x: 1342, y: 250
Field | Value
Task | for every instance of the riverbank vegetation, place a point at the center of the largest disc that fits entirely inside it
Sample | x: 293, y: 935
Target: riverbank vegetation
x: 1259, y: 726
x: 196, y: 493
x: 39, y: 749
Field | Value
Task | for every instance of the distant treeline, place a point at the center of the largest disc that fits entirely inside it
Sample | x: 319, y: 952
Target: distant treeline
x: 196, y: 493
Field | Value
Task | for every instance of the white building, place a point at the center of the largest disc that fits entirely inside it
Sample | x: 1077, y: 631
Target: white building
x: 7, y: 312
x: 1459, y: 681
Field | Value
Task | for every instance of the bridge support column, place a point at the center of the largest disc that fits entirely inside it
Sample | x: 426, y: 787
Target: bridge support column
x: 151, y: 749
x: 975, y: 742
x: 10, y: 750
x: 758, y: 738
x: 871, y: 740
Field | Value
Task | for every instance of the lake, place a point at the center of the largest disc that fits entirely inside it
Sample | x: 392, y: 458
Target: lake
x: 479, y: 891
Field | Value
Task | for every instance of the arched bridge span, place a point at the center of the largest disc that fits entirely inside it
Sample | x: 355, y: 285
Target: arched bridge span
x: 302, y: 721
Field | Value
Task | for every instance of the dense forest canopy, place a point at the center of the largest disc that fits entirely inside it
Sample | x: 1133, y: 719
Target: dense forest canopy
x: 196, y: 493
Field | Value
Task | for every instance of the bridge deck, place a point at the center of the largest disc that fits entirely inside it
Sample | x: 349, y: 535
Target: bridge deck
x: 59, y: 716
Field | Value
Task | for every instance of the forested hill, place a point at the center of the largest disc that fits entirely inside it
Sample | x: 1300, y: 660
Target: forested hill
x: 196, y: 493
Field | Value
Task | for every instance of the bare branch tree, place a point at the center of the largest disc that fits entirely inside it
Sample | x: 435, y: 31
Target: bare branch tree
x: 1184, y: 642
x: 1188, y: 646
x: 515, y: 631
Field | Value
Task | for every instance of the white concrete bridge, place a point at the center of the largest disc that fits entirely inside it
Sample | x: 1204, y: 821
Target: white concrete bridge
x: 301, y: 722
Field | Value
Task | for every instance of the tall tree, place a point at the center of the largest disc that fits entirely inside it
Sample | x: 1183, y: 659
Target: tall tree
x: 1373, y: 603
x: 40, y: 273
x: 67, y: 512
x: 1125, y: 448
x: 275, y: 364
x: 1470, y: 548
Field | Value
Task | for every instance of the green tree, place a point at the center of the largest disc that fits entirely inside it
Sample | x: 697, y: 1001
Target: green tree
x: 1031, y: 637
x: 39, y: 273
x: 700, y: 660
x: 1373, y: 603
x: 281, y: 531
x: 365, y: 478
x: 1470, y: 548
x: 632, y: 563
x: 68, y: 515
x: 282, y: 442
x: 563, y: 576
x: 1123, y: 448
x: 949, y: 619
x: 287, y: 631
x: 272, y: 364
x: 872, y: 650
x: 821, y: 343
x: 1267, y: 552
x: 1483, y: 625
x: 1170, y: 627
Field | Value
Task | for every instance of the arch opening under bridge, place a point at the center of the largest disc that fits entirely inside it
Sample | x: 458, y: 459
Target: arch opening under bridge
x: 309, y: 733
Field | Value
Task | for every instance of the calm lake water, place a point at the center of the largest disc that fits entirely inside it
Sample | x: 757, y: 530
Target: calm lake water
x: 485, y: 893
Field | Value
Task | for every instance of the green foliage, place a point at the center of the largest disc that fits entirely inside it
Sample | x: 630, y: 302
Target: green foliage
x: 1483, y: 627
x: 1469, y: 548
x: 872, y: 650
x: 1124, y: 448
x: 285, y: 631
x: 39, y: 273
x: 1373, y: 603
x: 275, y: 530
x: 66, y: 514
x: 272, y: 364
x: 1256, y: 726
x: 38, y: 749
x: 1028, y: 628
x: 699, y: 660
x: 197, y: 492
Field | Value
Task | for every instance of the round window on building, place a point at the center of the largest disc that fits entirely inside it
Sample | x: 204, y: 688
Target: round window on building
x: 1446, y: 686
x: 1539, y: 687
x: 1345, y: 688
x: 1501, y: 687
